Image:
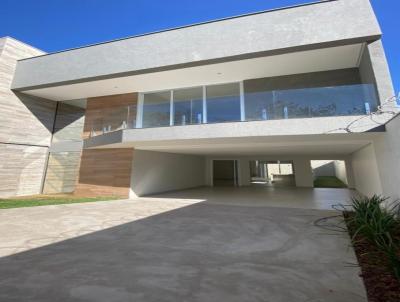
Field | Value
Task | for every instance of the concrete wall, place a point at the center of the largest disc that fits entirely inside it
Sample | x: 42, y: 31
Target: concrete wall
x: 341, y: 171
x: 25, y: 127
x: 154, y: 172
x: 335, y: 168
x: 21, y: 169
x: 267, y: 33
x: 323, y: 168
x: 387, y: 150
x: 366, y: 172
x: 69, y: 123
x: 62, y: 172
x: 65, y: 150
x: 374, y: 70
x: 303, y: 172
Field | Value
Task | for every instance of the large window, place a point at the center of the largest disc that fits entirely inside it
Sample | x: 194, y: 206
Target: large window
x: 156, y: 109
x: 223, y: 103
x: 188, y: 106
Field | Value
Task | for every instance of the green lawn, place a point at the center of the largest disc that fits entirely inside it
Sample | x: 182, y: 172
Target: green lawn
x: 44, y: 200
x: 328, y: 182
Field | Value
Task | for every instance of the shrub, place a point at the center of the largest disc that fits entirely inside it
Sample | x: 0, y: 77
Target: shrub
x: 373, y: 221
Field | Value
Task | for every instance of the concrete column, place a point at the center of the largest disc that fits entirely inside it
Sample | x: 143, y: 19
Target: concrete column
x: 303, y: 172
x: 244, y: 179
x: 366, y: 173
x: 349, y: 174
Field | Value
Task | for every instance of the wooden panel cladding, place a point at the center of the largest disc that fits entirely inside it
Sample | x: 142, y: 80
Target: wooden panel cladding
x: 110, y: 113
x: 105, y: 172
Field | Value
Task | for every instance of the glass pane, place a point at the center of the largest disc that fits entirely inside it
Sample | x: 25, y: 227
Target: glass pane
x: 310, y: 102
x: 259, y: 106
x: 188, y: 106
x: 223, y: 103
x: 156, y: 109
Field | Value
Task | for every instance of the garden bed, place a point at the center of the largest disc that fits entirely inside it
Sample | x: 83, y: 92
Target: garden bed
x: 379, y: 280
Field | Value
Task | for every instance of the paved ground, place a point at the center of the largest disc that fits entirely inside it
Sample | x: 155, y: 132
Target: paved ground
x: 290, y: 197
x: 173, y: 250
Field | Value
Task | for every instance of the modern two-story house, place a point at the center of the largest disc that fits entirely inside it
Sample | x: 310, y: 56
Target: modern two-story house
x: 234, y: 102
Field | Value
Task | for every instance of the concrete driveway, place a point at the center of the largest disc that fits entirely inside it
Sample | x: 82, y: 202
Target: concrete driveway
x: 173, y: 250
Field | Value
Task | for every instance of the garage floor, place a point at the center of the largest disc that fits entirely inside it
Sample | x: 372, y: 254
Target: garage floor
x: 173, y: 250
x: 258, y: 195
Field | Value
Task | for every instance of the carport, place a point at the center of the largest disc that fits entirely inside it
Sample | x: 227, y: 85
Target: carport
x: 178, y: 161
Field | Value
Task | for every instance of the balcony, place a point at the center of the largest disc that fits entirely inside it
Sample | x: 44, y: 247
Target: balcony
x: 235, y: 102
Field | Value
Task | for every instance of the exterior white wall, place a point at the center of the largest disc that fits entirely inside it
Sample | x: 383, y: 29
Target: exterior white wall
x: 366, y: 173
x: 303, y: 172
x: 330, y: 168
x: 156, y: 172
x: 387, y: 149
x: 197, y: 134
x: 340, y: 171
x: 323, y: 168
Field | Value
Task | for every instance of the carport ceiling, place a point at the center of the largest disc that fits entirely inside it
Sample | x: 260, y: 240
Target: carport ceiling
x: 262, y: 148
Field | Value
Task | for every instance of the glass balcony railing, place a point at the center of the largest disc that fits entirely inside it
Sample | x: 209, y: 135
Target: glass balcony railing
x: 103, y: 121
x: 311, y: 102
x: 191, y: 107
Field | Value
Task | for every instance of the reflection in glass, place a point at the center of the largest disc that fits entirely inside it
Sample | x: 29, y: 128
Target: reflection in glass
x: 310, y: 102
x: 156, y: 109
x: 188, y: 106
x: 223, y: 103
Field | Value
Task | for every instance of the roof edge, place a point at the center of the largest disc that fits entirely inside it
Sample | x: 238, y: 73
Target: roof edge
x: 180, y: 27
x: 26, y: 44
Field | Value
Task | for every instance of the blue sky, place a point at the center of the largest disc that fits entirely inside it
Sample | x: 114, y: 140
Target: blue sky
x: 53, y: 25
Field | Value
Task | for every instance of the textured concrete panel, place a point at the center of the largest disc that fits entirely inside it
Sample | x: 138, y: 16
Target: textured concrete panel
x: 62, y: 172
x: 21, y: 169
x: 234, y: 38
x: 25, y: 127
x: 23, y: 119
x: 69, y: 123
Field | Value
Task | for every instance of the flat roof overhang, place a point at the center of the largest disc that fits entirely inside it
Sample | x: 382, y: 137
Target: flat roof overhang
x: 270, y: 33
x: 321, y: 59
x: 297, y: 136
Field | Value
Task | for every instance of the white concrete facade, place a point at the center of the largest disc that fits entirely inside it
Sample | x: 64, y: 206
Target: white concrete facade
x: 155, y: 172
x: 289, y: 52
